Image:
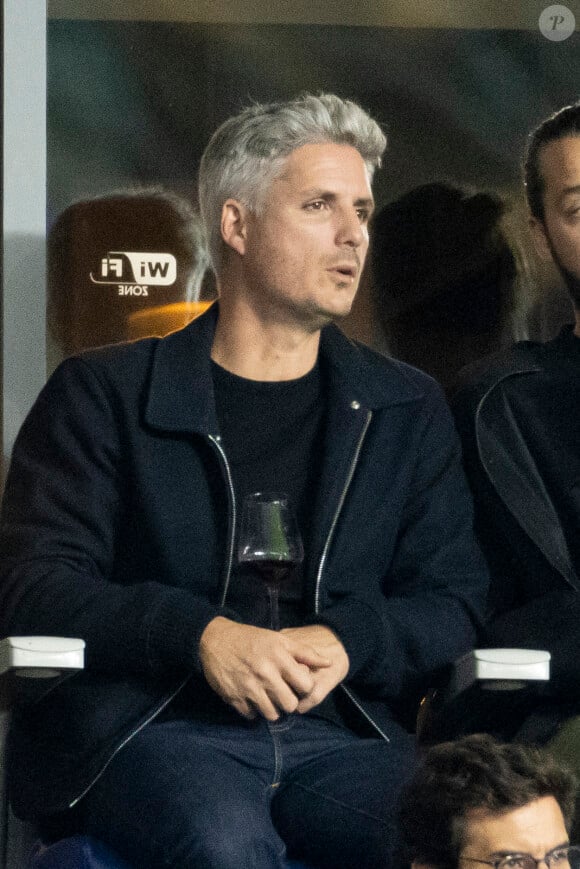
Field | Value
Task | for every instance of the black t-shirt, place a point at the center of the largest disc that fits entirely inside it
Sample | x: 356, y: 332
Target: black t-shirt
x: 272, y: 434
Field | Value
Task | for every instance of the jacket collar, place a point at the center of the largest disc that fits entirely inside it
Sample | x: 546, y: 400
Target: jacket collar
x: 180, y: 390
x: 180, y: 395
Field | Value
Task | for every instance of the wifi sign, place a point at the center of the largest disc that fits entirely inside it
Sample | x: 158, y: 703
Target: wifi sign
x: 153, y: 269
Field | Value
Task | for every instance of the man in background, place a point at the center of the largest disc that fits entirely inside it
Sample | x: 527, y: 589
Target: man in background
x: 520, y: 427
x: 448, y: 274
x: 480, y: 802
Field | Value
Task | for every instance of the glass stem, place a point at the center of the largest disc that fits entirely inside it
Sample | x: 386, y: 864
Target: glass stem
x: 274, y: 608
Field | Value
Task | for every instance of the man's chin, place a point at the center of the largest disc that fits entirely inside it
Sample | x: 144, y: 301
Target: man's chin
x: 340, y: 307
x: 315, y: 317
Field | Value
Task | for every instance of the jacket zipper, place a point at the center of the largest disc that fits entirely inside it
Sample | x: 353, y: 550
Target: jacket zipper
x: 167, y: 700
x: 323, y: 558
x: 232, y: 525
x: 128, y: 738
x: 216, y: 441
x: 338, y: 510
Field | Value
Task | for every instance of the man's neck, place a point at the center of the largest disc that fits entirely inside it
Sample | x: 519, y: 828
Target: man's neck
x: 249, y: 346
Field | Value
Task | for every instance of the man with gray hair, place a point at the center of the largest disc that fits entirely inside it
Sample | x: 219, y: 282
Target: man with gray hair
x: 199, y: 735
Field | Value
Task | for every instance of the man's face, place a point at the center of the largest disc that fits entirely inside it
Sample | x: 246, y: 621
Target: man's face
x: 558, y: 236
x: 535, y: 829
x: 303, y: 255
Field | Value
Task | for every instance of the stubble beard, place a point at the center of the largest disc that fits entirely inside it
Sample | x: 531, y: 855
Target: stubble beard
x: 314, y: 316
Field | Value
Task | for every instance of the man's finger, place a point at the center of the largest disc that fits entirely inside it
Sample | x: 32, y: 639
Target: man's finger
x: 245, y: 709
x: 298, y: 677
x: 271, y: 710
x: 308, y: 656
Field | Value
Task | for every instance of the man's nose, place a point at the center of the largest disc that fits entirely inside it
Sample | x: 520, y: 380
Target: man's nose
x: 350, y: 230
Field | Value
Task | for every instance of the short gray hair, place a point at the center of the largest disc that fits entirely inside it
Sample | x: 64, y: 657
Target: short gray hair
x: 248, y: 151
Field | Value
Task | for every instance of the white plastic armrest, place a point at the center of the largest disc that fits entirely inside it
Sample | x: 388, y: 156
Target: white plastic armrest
x: 41, y: 657
x: 501, y: 669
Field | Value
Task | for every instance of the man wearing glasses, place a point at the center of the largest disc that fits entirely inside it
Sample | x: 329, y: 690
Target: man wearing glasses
x: 477, y: 801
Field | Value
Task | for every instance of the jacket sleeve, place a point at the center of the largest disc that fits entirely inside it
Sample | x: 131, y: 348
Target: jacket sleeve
x: 529, y: 605
x: 59, y: 534
x: 434, y: 593
x: 549, y: 621
x: 505, y: 546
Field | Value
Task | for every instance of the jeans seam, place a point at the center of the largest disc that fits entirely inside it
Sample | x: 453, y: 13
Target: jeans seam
x: 277, y: 759
x: 336, y: 802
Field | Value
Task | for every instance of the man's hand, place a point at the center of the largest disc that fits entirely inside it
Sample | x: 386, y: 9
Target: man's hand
x: 258, y: 671
x: 324, y: 679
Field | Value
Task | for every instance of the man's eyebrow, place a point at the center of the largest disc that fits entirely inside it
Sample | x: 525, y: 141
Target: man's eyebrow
x: 562, y: 844
x: 570, y: 191
x: 321, y: 193
x: 318, y: 193
x: 514, y: 852
x: 365, y: 203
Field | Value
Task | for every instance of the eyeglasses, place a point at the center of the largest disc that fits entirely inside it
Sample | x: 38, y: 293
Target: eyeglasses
x: 559, y: 858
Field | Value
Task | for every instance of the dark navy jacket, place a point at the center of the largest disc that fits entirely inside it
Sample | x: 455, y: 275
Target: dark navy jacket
x: 117, y: 528
x: 518, y: 419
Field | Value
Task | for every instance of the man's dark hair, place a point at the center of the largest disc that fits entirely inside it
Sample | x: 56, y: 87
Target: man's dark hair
x: 565, y: 122
x: 475, y: 772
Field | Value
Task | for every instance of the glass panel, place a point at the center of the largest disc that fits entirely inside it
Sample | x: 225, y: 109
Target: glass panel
x: 23, y: 364
x: 132, y: 102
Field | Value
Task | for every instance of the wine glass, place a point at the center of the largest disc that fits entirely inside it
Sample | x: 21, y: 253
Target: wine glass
x: 270, y: 542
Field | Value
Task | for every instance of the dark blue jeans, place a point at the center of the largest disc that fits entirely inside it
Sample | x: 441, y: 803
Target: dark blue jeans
x: 187, y: 794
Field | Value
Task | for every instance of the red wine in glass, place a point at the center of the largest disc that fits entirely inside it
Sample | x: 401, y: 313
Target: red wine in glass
x: 270, y: 542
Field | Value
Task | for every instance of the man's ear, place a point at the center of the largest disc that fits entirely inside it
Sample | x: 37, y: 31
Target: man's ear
x: 234, y: 224
x: 541, y: 240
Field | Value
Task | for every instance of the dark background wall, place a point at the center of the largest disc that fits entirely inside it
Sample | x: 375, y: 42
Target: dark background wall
x: 137, y: 101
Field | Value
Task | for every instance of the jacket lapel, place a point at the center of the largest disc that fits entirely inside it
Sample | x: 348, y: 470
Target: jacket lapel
x: 513, y: 472
x: 180, y: 397
x: 359, y: 383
